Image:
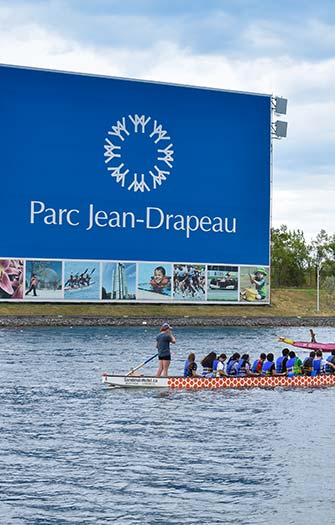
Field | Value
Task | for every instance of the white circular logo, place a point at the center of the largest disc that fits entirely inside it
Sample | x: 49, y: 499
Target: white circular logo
x: 138, y: 153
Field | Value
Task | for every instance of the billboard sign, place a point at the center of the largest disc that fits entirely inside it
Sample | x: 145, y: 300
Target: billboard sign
x: 109, y: 169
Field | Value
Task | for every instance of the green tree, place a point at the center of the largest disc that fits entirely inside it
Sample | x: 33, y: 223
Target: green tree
x: 323, y: 250
x: 290, y: 257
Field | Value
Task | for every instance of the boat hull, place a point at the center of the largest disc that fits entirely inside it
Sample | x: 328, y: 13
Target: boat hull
x: 177, y: 382
x: 325, y: 347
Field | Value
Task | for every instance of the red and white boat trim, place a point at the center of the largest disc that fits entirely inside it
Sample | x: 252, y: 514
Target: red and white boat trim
x: 177, y: 382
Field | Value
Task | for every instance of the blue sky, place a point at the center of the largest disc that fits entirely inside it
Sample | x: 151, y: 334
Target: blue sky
x: 285, y: 48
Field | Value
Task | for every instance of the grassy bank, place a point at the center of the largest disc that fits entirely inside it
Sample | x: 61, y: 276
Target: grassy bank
x: 284, y: 303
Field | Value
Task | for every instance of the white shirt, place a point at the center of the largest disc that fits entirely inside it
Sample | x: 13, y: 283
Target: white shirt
x: 220, y: 366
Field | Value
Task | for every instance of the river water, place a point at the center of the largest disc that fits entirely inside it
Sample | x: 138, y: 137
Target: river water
x: 74, y: 452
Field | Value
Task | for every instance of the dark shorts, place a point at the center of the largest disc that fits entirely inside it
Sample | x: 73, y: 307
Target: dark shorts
x: 165, y: 358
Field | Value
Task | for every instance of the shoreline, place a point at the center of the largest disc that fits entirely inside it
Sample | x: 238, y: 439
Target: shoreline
x: 181, y: 321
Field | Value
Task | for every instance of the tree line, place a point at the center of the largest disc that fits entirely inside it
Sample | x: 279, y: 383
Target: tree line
x: 294, y: 262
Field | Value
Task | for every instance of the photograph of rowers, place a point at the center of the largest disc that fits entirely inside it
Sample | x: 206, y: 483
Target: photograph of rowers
x: 222, y: 283
x: 189, y: 282
x: 81, y: 280
x: 254, y: 283
x: 154, y: 281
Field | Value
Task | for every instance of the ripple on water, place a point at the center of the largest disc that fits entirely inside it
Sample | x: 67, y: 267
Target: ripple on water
x: 74, y: 453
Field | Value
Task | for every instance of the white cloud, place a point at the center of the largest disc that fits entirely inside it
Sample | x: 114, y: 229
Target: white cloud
x: 301, y: 161
x: 309, y: 210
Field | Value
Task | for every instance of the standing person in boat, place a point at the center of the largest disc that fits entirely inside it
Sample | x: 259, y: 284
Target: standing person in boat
x: 281, y: 361
x: 191, y: 370
x: 258, y: 363
x: 293, y: 365
x: 307, y: 365
x: 269, y: 367
x: 207, y: 364
x: 330, y: 361
x: 163, y: 340
x: 233, y: 364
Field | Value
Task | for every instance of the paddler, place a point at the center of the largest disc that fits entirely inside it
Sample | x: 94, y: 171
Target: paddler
x: 282, y: 360
x: 293, y: 364
x: 319, y: 364
x: 233, y: 364
x: 269, y: 367
x: 207, y: 364
x: 258, y: 363
x: 191, y: 370
x: 219, y: 370
x: 307, y: 365
x: 163, y: 340
x: 330, y: 361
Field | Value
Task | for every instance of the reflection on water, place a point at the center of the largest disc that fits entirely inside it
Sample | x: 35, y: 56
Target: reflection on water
x: 73, y: 452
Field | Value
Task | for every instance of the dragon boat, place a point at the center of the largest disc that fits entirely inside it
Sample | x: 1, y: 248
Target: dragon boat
x: 178, y: 382
x: 325, y: 347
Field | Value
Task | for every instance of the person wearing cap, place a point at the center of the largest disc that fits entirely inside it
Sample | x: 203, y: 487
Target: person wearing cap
x: 163, y: 341
x: 258, y: 279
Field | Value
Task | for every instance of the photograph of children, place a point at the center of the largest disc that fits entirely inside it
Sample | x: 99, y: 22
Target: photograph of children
x: 154, y: 281
x: 81, y: 280
x: 118, y: 281
x: 43, y: 280
x: 189, y: 282
x: 254, y: 283
x: 11, y: 279
x: 222, y: 283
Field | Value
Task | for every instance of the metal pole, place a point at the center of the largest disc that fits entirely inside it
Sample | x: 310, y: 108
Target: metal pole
x: 318, y: 287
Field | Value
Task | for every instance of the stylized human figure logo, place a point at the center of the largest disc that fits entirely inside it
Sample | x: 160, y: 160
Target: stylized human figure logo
x: 115, y: 155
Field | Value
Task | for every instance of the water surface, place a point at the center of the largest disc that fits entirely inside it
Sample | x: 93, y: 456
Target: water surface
x: 72, y: 452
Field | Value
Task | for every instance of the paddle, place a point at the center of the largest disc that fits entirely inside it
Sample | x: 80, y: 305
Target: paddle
x: 142, y: 364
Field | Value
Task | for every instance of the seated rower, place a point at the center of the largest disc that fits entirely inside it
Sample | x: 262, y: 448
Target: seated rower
x: 330, y: 363
x: 186, y: 365
x: 319, y: 364
x: 233, y: 364
x: 258, y: 363
x: 192, y: 366
x: 293, y: 365
x: 207, y: 364
x: 282, y: 360
x: 307, y: 365
x: 244, y: 368
x: 269, y: 367
x: 220, y: 371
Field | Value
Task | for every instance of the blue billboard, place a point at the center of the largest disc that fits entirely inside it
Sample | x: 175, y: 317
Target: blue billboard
x: 109, y: 169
